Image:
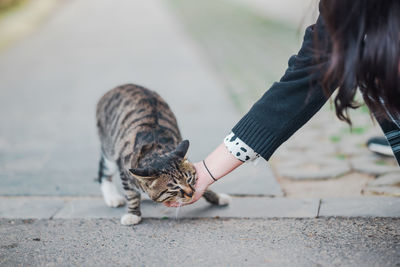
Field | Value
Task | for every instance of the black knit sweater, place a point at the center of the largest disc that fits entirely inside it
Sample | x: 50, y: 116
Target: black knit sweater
x: 292, y: 101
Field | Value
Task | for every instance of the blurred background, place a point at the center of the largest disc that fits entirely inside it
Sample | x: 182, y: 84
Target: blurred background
x: 210, y: 59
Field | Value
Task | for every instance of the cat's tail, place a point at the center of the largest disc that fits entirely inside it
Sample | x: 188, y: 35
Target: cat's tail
x: 217, y: 199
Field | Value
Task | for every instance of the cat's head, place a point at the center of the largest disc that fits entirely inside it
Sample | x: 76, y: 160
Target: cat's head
x: 169, y: 177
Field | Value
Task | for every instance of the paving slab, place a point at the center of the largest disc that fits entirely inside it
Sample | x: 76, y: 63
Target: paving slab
x: 250, y: 179
x: 361, y: 207
x: 389, y: 179
x: 374, y: 164
x: 88, y: 208
x: 390, y: 191
x: 94, y: 207
x: 248, y: 207
x: 32, y: 207
x: 240, y: 207
x: 323, y: 167
x: 387, y: 185
x: 349, y: 185
x: 48, y: 141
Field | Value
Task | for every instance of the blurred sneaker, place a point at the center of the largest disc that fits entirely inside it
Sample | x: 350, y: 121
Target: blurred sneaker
x: 380, y: 145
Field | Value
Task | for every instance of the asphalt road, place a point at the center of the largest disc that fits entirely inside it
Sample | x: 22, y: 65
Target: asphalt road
x: 205, y: 242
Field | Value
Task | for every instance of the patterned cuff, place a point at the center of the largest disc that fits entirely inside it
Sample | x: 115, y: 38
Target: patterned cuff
x: 239, y: 149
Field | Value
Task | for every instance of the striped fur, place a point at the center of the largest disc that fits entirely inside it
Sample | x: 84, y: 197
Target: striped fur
x: 140, y: 134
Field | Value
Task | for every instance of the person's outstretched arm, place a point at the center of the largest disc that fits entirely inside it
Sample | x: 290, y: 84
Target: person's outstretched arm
x: 276, y: 116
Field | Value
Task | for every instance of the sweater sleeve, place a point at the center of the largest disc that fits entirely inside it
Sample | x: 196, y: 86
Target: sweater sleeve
x: 239, y: 149
x: 288, y: 104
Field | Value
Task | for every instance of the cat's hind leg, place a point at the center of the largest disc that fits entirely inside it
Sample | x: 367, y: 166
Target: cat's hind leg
x: 217, y: 199
x: 133, y: 216
x: 107, y: 169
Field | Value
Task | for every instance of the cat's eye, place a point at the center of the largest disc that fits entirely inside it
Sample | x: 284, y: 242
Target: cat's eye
x: 185, y: 193
x: 191, y: 180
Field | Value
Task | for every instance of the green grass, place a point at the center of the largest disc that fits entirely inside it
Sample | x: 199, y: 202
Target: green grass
x: 357, y: 130
x: 248, y: 51
x: 335, y: 138
x: 380, y: 162
x: 7, y: 7
x: 364, y: 109
x: 341, y: 156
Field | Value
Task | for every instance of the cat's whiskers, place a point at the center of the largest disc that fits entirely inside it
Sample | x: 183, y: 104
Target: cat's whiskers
x: 180, y: 204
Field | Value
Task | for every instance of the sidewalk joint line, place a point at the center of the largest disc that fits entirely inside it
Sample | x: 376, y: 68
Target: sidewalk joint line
x: 55, y: 213
x: 319, y: 207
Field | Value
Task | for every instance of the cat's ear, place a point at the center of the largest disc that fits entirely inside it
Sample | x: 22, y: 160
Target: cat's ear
x: 144, y: 149
x: 181, y: 149
x: 143, y: 172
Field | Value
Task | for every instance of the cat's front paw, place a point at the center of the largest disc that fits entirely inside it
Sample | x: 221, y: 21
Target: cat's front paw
x: 111, y: 196
x: 224, y: 199
x: 115, y: 201
x: 130, y: 219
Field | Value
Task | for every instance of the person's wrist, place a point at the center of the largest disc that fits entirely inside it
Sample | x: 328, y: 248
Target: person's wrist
x: 203, y: 174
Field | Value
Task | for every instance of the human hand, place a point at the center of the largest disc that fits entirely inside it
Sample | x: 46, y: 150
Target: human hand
x: 202, y: 183
x: 220, y: 162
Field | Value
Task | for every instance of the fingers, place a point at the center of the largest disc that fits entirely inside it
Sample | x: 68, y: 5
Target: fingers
x: 180, y: 204
x: 173, y: 204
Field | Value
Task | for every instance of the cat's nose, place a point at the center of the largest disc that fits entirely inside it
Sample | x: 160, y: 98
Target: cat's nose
x: 188, y: 192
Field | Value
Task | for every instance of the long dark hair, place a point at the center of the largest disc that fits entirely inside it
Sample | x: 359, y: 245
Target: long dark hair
x: 365, y: 54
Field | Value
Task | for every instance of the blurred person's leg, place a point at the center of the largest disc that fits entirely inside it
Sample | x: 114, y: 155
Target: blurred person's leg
x: 392, y: 134
x: 380, y: 146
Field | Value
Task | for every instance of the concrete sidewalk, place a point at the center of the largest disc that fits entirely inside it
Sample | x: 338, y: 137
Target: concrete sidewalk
x: 240, y: 207
x: 51, y: 213
x: 52, y: 80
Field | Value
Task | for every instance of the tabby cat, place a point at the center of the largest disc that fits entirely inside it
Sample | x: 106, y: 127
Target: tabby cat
x: 140, y: 138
